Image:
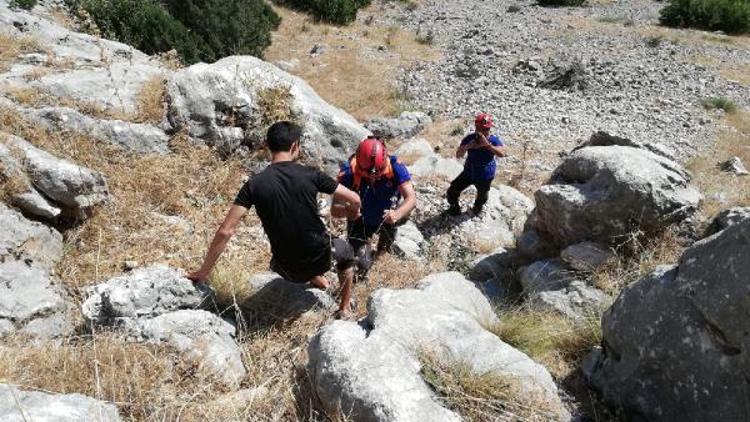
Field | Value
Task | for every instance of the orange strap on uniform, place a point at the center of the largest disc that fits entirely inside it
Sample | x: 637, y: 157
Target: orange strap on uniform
x: 357, y: 174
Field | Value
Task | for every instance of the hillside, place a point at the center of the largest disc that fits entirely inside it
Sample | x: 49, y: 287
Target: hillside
x: 604, y: 280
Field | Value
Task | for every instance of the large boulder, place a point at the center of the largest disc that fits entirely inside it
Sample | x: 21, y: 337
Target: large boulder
x: 602, y: 193
x: 18, y: 405
x: 675, y: 343
x: 32, y: 303
x: 56, y: 186
x: 726, y: 218
x: 146, y: 292
x: 503, y: 217
x: 202, y: 338
x: 223, y: 104
x: 371, y: 371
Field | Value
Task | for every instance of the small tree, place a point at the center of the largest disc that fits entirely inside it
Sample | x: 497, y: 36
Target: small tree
x: 334, y: 11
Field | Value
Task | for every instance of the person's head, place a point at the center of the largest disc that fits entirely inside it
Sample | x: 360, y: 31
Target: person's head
x: 483, y: 123
x: 372, y: 158
x: 284, y: 137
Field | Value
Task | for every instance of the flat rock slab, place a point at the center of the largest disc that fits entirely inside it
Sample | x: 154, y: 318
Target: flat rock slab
x: 371, y: 372
x: 28, y: 240
x: 146, y: 292
x: 409, y: 241
x: 18, y: 405
x: 586, y: 256
x: 32, y: 303
x: 202, y: 337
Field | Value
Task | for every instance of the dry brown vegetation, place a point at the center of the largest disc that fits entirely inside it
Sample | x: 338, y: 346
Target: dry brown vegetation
x: 151, y: 101
x: 350, y: 74
x: 11, y: 47
x: 488, y: 396
x: 721, y: 189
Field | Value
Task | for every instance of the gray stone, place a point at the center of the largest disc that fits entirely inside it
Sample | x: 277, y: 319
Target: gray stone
x: 135, y: 137
x: 72, y: 188
x: 501, y: 220
x: 532, y: 246
x: 407, y: 125
x: 498, y: 265
x: 18, y: 405
x: 116, y: 86
x: 274, y: 297
x: 28, y: 240
x: 586, y: 256
x: 550, y: 287
x: 408, y: 242
x: 202, y: 337
x: 604, y: 139
x: 604, y: 193
x: 436, y: 166
x: 727, y: 218
x: 31, y: 302
x: 415, y: 148
x: 373, y: 374
x: 493, y: 290
x: 33, y: 203
x: 675, y: 342
x: 145, y: 292
x: 735, y: 166
x: 219, y: 103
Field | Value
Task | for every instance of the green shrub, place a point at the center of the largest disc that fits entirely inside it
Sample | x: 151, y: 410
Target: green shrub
x: 719, y: 103
x: 731, y: 16
x: 199, y: 30
x: 228, y: 27
x: 334, y: 11
x: 23, y: 4
x: 555, y: 3
x: 145, y: 25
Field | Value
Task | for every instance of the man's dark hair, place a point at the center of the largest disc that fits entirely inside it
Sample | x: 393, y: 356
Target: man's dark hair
x: 281, y: 136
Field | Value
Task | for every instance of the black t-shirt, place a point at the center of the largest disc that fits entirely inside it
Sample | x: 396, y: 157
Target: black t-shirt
x: 285, y: 198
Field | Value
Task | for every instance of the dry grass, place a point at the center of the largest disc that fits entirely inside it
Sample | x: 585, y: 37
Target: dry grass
x: 350, y: 73
x: 488, y: 396
x: 721, y: 189
x: 34, y: 97
x: 11, y: 47
x: 193, y: 184
x: 145, y: 382
x: 549, y: 338
x: 151, y: 101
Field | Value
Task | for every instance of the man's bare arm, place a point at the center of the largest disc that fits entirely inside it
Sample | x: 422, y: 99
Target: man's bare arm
x: 219, y: 243
x: 498, y: 150
x: 407, y: 205
x: 346, y: 203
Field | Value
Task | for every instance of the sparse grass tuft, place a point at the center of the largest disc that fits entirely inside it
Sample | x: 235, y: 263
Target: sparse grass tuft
x: 151, y: 101
x: 11, y: 47
x: 552, y: 339
x: 654, y: 42
x: 488, y: 396
x: 719, y: 103
x: 514, y: 8
x: 562, y: 3
x: 426, y: 39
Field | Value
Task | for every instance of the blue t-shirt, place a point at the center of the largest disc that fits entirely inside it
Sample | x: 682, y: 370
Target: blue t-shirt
x: 480, y: 163
x: 379, y: 196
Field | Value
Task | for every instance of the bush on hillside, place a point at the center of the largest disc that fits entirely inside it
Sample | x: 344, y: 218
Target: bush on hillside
x: 730, y: 16
x: 23, y: 4
x: 199, y: 30
x: 229, y: 27
x: 556, y: 3
x: 334, y: 11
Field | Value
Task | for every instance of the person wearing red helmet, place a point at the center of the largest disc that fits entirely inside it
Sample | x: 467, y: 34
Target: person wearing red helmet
x: 381, y: 181
x: 285, y: 198
x: 479, y: 167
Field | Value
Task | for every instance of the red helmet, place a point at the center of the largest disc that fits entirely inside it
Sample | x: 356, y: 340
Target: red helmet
x: 484, y: 121
x: 371, y: 156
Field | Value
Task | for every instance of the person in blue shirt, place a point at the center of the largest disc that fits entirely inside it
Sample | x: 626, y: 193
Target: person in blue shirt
x: 382, y: 181
x: 480, y: 166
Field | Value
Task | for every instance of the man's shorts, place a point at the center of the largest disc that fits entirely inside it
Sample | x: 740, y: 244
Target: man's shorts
x: 342, y: 252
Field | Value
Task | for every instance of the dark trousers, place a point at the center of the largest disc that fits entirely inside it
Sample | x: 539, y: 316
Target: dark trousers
x: 356, y: 251
x: 463, y: 181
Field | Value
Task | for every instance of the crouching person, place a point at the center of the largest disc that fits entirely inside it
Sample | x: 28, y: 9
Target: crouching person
x: 285, y: 199
x: 387, y: 198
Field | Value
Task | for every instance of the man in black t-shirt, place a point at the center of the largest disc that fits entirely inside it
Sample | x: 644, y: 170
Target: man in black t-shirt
x: 285, y: 198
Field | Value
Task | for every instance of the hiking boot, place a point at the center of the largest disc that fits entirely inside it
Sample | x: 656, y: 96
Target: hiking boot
x: 454, y: 210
